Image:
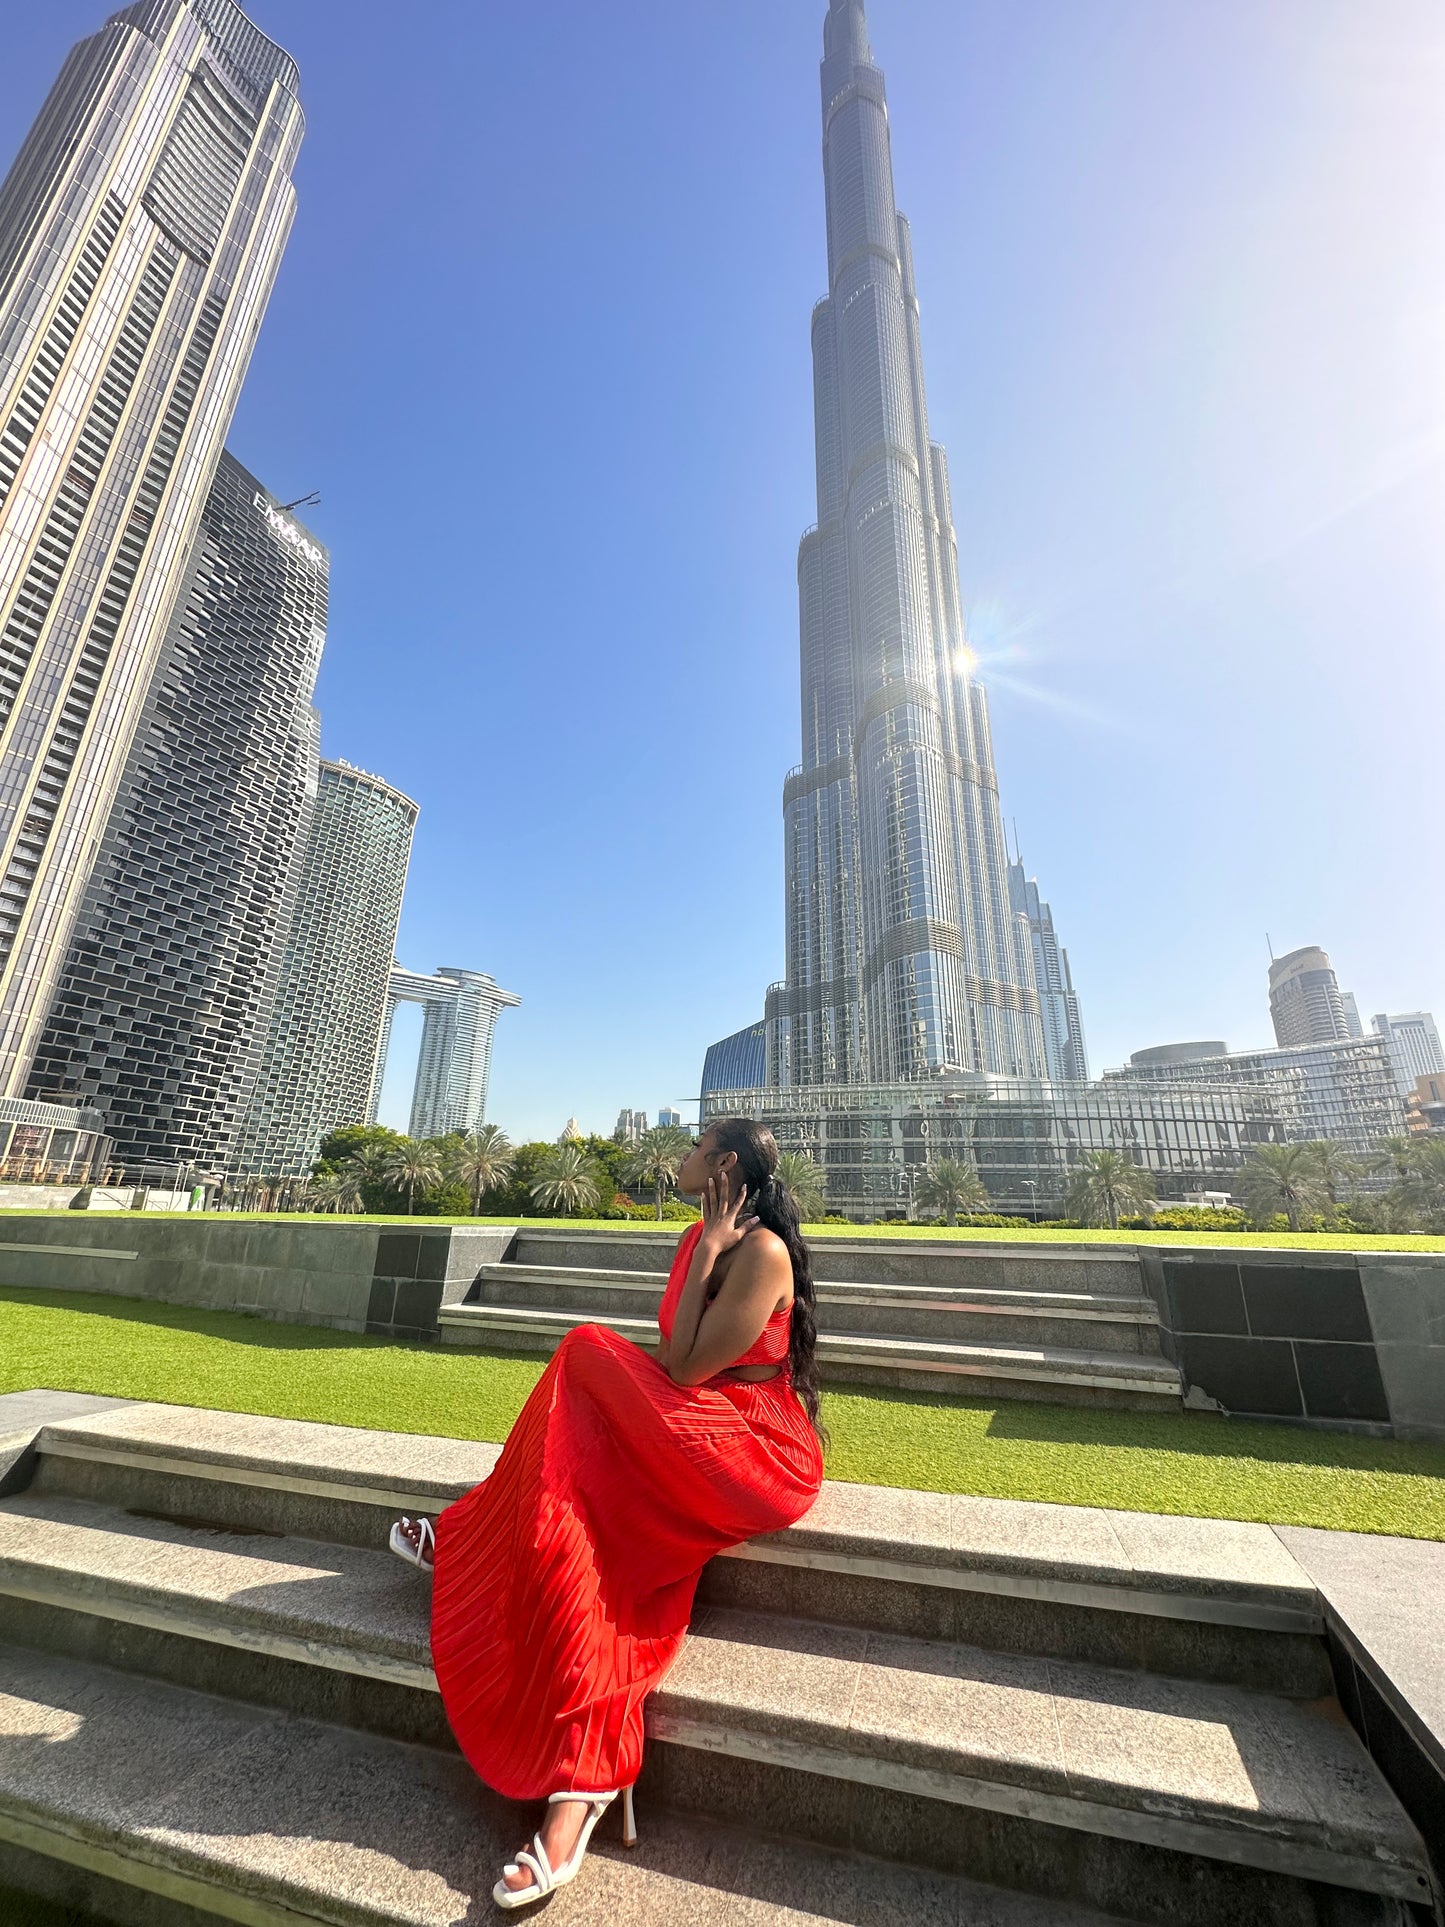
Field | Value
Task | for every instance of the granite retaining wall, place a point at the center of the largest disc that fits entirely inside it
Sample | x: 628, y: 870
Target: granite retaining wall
x: 390, y: 1279
x: 1347, y: 1339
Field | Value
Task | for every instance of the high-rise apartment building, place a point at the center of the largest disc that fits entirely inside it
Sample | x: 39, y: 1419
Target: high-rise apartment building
x: 905, y: 958
x: 1065, y: 1052
x: 1305, y: 1003
x: 318, y: 1063
x: 631, y: 1127
x: 165, y: 996
x: 454, y: 1064
x: 141, y: 227
x: 1414, y: 1044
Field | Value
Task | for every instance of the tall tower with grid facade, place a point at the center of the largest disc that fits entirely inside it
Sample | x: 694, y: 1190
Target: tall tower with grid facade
x: 165, y: 995
x: 319, y: 1059
x: 905, y: 957
x: 141, y: 227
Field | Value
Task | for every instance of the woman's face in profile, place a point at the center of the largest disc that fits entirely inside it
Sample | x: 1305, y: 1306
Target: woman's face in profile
x: 703, y: 1162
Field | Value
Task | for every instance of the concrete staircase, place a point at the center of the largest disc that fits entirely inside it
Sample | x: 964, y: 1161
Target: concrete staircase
x: 995, y: 1321
x: 216, y: 1701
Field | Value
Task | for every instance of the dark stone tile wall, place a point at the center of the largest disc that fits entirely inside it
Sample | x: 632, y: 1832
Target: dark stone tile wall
x: 1408, y: 1766
x: 407, y: 1283
x: 1272, y: 1335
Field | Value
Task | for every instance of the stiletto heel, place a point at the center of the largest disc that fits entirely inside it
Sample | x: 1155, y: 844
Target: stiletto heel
x: 629, y: 1819
x: 546, y: 1878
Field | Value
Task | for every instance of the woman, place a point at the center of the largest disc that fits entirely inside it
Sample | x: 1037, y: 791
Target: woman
x: 564, y: 1583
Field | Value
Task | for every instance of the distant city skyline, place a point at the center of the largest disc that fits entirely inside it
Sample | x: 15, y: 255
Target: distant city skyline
x: 1177, y: 555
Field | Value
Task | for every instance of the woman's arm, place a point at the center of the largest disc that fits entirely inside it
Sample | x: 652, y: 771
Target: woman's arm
x: 707, y: 1338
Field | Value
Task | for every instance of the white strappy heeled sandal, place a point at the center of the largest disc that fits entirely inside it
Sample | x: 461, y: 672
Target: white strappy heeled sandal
x: 420, y: 1551
x: 546, y: 1878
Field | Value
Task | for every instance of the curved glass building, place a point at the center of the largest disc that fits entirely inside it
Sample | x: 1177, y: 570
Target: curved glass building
x: 319, y: 1060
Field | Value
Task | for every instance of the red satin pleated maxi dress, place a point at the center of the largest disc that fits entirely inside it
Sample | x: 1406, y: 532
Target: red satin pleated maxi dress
x: 565, y: 1581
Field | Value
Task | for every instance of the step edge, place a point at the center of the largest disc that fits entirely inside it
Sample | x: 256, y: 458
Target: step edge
x: 1228, y: 1840
x: 1257, y: 1608
x: 45, y: 1583
x: 122, y: 1603
x: 149, y: 1872
x: 225, y: 1472
x: 912, y: 1354
x: 1014, y: 1252
x: 1240, y: 1610
x: 1065, y: 1307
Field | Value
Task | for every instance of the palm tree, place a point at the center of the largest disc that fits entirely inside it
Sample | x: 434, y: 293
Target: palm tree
x: 657, y: 1160
x: 803, y: 1184
x: 567, y: 1182
x: 1396, y: 1155
x: 1283, y: 1177
x: 1333, y: 1166
x: 349, y: 1192
x: 324, y: 1192
x: 1105, y: 1186
x: 949, y: 1187
x: 412, y: 1167
x: 1425, y: 1185
x: 483, y: 1160
x: 367, y: 1167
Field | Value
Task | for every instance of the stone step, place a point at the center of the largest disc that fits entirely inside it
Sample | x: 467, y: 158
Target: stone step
x: 1129, y: 1381
x: 172, y: 1799
x: 981, y: 1265
x: 1094, y: 1321
x: 760, y: 1708
x: 1201, y: 1598
x: 1251, y: 1621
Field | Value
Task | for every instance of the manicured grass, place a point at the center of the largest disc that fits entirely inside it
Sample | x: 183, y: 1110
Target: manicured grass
x: 984, y: 1234
x: 1208, y: 1467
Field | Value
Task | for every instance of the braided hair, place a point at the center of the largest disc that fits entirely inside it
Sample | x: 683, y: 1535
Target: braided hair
x: 756, y: 1150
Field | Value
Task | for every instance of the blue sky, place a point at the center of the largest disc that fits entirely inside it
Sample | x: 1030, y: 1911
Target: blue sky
x: 541, y: 340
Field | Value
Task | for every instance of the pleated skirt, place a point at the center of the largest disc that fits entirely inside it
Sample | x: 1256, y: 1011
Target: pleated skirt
x: 565, y: 1581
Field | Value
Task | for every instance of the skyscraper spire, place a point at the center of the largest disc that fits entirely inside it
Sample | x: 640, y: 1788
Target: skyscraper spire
x: 905, y: 957
x: 846, y: 29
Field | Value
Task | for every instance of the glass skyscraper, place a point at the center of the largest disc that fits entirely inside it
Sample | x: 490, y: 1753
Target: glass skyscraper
x: 905, y: 957
x: 318, y: 1062
x: 1064, y: 1048
x: 141, y: 227
x: 166, y: 991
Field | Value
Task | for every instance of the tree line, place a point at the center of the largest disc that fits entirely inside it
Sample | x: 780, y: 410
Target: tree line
x: 483, y: 1174
x: 1299, y: 1187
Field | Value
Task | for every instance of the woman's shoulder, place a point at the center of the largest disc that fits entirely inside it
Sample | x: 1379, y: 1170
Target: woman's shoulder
x: 765, y: 1246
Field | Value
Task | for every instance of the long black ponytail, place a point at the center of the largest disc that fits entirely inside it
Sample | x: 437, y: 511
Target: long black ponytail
x: 756, y: 1150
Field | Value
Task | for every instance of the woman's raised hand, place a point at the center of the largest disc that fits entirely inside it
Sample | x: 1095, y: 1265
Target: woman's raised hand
x: 723, y: 1224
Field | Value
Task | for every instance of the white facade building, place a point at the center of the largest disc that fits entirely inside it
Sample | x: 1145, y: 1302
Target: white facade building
x: 141, y: 227
x: 1414, y: 1044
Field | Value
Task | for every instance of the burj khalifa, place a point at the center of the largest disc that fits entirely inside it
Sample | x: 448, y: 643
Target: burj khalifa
x: 905, y: 956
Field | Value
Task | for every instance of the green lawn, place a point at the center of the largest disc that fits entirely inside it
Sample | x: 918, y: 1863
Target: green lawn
x: 1210, y: 1467
x: 985, y: 1234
